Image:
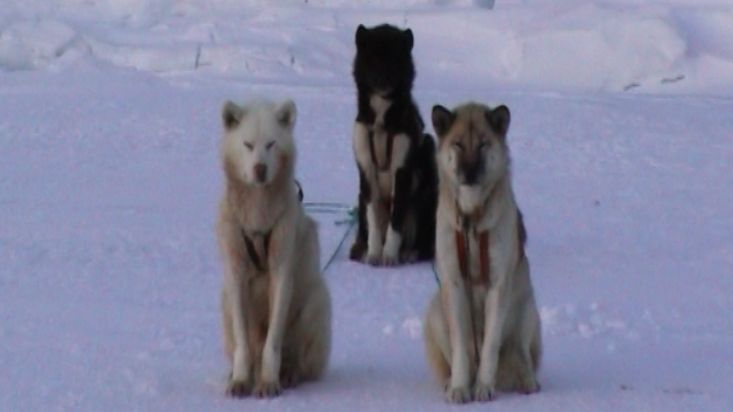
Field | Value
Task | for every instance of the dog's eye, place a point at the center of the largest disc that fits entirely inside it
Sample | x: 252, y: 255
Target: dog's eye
x: 458, y: 146
x: 269, y: 145
x: 484, y: 145
x: 249, y: 146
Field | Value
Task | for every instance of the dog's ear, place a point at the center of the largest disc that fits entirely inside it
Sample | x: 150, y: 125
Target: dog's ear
x: 231, y: 115
x: 442, y: 120
x: 361, y: 35
x: 499, y: 119
x: 286, y: 114
x: 408, y: 39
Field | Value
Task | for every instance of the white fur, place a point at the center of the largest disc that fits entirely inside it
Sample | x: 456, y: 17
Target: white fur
x: 400, y: 148
x: 360, y: 144
x: 457, y: 313
x: 391, y: 251
x: 380, y: 105
x: 289, y: 297
x: 259, y: 138
x: 470, y: 198
x: 447, y: 161
x: 374, y: 240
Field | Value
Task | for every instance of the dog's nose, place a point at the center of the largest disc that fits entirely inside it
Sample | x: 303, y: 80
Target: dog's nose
x: 471, y: 172
x: 470, y: 177
x: 261, y: 172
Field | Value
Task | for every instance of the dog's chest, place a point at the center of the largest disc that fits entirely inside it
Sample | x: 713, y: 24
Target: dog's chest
x: 380, y: 144
x: 378, y: 153
x: 379, y: 105
x: 471, y: 254
x: 476, y: 267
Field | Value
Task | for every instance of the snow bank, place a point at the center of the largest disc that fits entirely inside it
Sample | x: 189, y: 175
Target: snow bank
x: 34, y: 44
x: 663, y: 46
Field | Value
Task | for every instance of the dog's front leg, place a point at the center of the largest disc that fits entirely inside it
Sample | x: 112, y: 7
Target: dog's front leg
x: 401, y: 190
x: 359, y: 248
x: 375, y: 237
x: 455, y: 305
x: 402, y: 183
x: 495, y: 313
x: 281, y: 291
x: 367, y: 172
x: 236, y: 288
x: 240, y: 382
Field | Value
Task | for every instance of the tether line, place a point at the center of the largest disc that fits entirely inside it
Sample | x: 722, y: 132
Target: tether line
x: 334, y: 208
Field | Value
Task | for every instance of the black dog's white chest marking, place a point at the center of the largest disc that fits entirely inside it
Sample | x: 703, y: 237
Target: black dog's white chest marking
x: 379, y: 155
x: 380, y: 105
x: 380, y: 144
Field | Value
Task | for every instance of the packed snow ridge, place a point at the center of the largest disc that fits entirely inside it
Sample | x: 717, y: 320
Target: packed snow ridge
x: 630, y: 45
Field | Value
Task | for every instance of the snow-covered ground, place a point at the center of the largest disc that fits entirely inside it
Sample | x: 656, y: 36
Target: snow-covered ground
x: 622, y: 138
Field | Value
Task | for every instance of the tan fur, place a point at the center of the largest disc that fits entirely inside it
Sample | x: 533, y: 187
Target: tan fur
x: 277, y: 322
x: 504, y: 316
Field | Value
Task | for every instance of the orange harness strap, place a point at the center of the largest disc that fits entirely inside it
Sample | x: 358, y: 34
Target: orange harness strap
x: 462, y: 249
x: 484, y: 258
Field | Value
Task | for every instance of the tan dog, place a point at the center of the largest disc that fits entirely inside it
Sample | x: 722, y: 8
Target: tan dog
x: 275, y: 305
x: 482, y: 329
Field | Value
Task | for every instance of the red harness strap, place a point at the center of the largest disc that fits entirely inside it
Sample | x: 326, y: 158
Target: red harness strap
x: 484, y: 258
x: 462, y: 249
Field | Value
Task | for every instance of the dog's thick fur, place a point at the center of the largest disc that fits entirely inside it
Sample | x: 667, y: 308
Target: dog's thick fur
x: 275, y: 305
x: 396, y: 161
x: 496, y: 320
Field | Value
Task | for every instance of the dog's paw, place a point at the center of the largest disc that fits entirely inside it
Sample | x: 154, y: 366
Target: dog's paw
x: 389, y: 260
x: 528, y: 387
x: 461, y: 394
x: 374, y: 260
x: 484, y: 393
x: 409, y: 257
x: 237, y: 388
x: 268, y: 389
x: 358, y: 250
x: 289, y: 379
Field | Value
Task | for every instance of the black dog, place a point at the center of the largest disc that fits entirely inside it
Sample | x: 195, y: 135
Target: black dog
x: 396, y: 161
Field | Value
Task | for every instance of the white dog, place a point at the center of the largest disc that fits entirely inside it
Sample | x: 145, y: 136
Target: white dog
x: 275, y: 305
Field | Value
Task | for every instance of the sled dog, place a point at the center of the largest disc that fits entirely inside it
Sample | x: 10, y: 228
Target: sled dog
x: 396, y: 161
x: 482, y: 329
x: 275, y: 305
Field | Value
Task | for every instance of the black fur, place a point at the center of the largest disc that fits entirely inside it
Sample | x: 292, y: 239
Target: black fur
x: 383, y: 65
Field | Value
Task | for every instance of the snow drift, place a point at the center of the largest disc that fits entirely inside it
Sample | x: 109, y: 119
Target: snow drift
x: 659, y: 47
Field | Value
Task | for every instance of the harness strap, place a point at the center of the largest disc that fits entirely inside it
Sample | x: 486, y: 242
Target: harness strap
x: 373, y: 152
x: 258, y: 249
x: 258, y: 243
x: 464, y: 254
x: 484, y: 258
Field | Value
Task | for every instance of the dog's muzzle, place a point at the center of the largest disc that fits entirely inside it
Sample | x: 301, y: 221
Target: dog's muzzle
x: 260, y: 172
x: 470, y: 171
